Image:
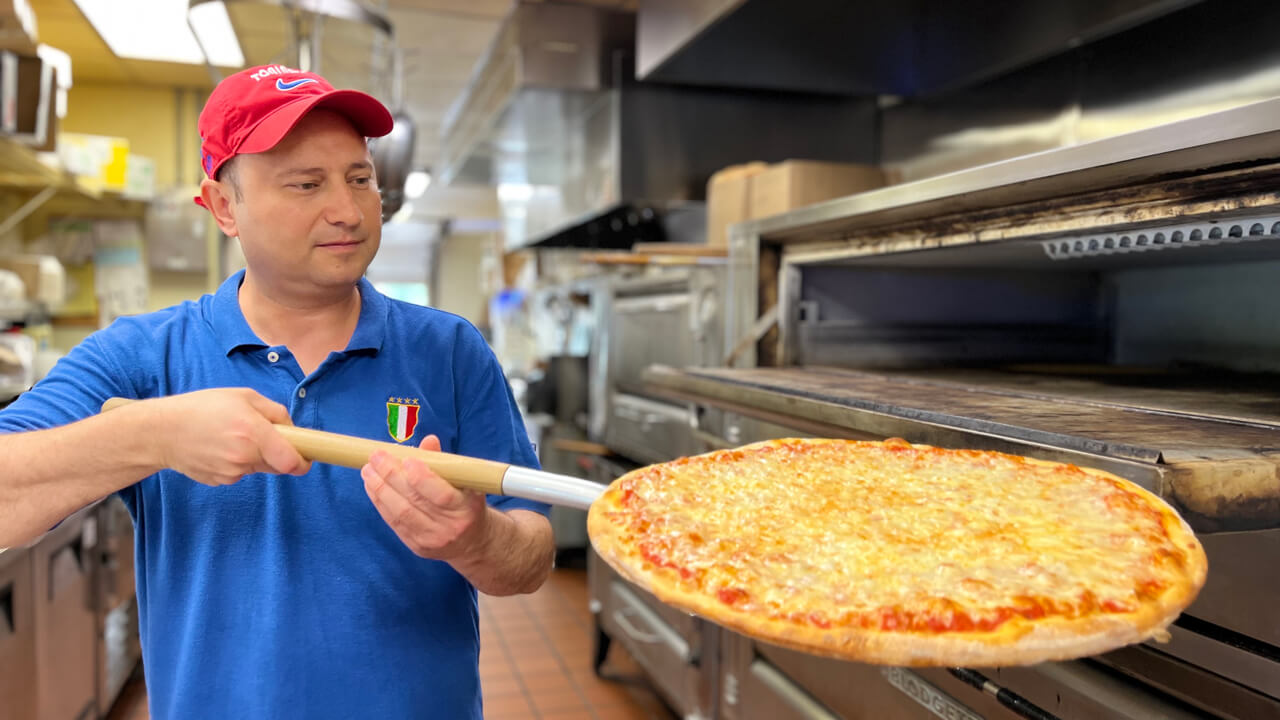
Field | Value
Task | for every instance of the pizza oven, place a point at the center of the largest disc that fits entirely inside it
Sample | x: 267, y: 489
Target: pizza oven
x: 1110, y: 304
x: 1079, y: 261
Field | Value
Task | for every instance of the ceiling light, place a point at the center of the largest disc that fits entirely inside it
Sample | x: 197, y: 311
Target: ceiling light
x: 158, y: 30
x: 416, y: 184
x: 515, y: 192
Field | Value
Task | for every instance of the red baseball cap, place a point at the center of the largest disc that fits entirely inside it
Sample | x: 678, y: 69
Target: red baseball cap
x: 252, y: 110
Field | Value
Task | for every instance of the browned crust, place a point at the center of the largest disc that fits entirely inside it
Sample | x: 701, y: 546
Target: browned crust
x: 1016, y: 642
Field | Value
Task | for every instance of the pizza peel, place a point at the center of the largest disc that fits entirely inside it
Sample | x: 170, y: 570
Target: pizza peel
x: 487, y: 476
x: 496, y: 478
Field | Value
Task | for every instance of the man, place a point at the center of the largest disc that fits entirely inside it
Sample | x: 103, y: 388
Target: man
x: 269, y: 587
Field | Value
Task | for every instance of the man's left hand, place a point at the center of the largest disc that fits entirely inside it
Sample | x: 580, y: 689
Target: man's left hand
x: 433, y: 518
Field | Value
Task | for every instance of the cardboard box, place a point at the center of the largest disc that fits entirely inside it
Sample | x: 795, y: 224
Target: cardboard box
x: 797, y: 183
x: 17, y: 26
x: 28, y: 94
x: 729, y: 200
x: 757, y: 190
x: 43, y: 275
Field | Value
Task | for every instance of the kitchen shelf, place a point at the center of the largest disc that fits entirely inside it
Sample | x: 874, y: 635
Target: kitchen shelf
x: 1212, y: 448
x: 23, y: 172
x: 22, y: 169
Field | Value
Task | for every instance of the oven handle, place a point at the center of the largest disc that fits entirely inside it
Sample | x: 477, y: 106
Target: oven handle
x: 658, y: 633
x: 801, y: 701
x: 1015, y: 702
x: 622, y: 616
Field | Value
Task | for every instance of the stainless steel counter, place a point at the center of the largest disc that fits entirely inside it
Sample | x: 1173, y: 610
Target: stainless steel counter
x: 17, y: 636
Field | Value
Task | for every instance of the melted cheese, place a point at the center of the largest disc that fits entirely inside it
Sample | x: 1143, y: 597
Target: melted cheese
x: 853, y: 533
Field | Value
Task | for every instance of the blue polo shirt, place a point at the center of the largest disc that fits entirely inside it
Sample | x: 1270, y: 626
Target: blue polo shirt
x: 283, y: 596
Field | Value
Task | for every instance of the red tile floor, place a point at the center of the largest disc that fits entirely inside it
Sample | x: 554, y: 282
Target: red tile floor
x: 535, y: 662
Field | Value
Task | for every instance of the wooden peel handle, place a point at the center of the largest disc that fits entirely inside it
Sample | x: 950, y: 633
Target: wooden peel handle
x: 353, y: 452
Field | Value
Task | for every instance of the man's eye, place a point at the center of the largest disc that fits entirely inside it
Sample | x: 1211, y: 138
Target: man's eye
x: 307, y: 186
x: 361, y: 181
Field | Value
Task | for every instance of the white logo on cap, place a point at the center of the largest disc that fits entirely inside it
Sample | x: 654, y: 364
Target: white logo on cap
x: 274, y: 70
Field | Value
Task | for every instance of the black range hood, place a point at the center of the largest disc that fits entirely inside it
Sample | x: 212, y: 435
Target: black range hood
x: 903, y: 48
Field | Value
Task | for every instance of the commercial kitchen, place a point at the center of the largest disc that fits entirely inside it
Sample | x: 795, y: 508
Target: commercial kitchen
x: 1045, y: 228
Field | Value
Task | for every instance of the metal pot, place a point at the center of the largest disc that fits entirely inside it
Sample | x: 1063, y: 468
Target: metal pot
x: 393, y: 160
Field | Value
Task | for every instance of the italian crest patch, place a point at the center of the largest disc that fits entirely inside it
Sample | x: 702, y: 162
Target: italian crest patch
x: 402, y: 417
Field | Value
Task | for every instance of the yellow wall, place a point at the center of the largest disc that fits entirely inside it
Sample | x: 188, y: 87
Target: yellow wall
x: 159, y: 122
x: 459, y: 288
x: 168, y: 288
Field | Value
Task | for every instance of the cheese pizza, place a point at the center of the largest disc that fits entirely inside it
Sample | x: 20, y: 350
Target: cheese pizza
x: 901, y: 554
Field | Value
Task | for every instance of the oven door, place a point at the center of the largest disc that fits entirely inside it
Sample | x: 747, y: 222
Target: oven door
x: 674, y: 318
x: 666, y: 643
x: 764, y: 681
x: 649, y: 431
x: 670, y: 319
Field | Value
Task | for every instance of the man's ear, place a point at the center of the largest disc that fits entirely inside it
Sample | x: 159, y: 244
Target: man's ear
x: 218, y: 197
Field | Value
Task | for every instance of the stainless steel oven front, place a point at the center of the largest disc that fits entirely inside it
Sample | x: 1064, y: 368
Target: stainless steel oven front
x: 672, y: 317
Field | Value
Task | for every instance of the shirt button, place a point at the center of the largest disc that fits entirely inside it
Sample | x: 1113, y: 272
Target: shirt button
x: 273, y: 356
x: 302, y: 392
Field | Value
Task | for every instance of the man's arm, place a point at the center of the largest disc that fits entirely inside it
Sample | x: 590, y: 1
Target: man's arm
x: 516, y: 557
x: 46, y: 475
x: 499, y: 553
x: 213, y: 436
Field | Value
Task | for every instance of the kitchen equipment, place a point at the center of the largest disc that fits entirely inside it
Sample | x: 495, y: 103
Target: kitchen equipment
x: 393, y: 152
x: 1101, y: 304
x: 17, y: 636
x: 609, y: 149
x: 66, y: 679
x: 393, y: 159
x: 118, y: 650
x: 684, y: 306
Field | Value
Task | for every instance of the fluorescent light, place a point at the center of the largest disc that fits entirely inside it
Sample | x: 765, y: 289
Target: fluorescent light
x: 416, y: 184
x: 157, y: 30
x: 515, y: 192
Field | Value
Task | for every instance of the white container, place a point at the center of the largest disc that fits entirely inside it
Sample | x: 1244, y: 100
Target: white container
x: 17, y: 364
x: 44, y: 277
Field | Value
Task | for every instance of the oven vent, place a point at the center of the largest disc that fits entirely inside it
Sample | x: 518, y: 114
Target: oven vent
x: 1169, y: 237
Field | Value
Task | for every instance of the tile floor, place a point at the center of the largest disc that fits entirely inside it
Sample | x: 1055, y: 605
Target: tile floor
x: 535, y: 662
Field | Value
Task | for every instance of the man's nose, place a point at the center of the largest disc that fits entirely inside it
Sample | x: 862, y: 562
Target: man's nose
x: 343, y: 209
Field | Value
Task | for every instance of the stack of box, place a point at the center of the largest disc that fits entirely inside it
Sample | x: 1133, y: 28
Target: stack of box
x: 757, y: 190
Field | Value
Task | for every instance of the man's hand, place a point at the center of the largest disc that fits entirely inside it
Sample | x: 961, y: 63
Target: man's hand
x: 218, y: 436
x: 433, y: 518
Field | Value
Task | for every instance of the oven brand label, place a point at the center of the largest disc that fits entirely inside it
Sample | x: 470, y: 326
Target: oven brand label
x: 918, y: 689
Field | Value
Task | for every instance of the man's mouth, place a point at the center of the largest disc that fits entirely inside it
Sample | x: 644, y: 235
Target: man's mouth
x: 348, y: 242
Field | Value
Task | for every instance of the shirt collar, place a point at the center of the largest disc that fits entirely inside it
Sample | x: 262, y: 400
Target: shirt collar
x: 371, y: 327
x: 233, y: 331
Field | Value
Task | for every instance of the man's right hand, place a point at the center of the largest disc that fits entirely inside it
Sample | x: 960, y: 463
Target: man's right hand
x: 218, y: 436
